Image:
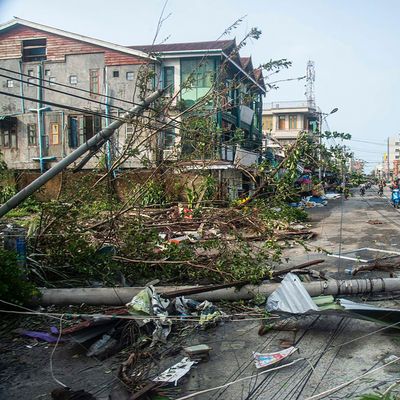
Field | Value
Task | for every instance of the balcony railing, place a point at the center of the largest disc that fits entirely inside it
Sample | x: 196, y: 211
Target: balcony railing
x: 289, y: 104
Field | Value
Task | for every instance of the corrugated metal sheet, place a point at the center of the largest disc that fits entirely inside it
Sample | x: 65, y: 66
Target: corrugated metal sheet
x: 291, y: 297
x: 194, y: 46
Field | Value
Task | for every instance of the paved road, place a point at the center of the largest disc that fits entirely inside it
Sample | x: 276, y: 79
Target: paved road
x: 24, y: 372
x: 233, y: 343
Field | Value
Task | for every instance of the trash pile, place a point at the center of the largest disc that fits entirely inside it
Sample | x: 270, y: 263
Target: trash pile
x: 148, y: 317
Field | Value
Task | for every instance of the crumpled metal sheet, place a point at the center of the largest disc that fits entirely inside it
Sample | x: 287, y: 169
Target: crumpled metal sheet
x: 291, y: 297
x: 176, y: 372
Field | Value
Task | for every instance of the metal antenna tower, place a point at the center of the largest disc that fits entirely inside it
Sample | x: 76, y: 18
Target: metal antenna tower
x: 310, y: 79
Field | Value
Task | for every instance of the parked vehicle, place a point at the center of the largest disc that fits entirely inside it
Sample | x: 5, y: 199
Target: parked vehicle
x: 380, y: 190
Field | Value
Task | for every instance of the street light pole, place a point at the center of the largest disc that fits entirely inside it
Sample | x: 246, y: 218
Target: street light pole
x: 320, y: 114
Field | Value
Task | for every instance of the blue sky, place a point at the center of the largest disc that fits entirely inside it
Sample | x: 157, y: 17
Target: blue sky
x: 354, y: 44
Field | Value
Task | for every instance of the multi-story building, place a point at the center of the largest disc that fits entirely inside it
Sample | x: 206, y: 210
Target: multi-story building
x: 45, y: 71
x: 284, y: 120
x: 356, y: 165
x: 195, y: 71
x: 34, y: 60
x: 392, y: 159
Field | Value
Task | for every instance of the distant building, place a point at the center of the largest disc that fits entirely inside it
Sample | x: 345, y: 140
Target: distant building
x: 284, y: 120
x: 394, y: 157
x: 356, y: 165
x: 379, y: 171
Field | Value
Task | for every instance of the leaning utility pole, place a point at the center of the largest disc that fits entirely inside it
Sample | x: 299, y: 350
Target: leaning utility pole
x: 388, y: 160
x: 93, y: 143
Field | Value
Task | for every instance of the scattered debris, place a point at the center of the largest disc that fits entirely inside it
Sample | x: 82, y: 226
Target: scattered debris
x: 45, y: 336
x: 66, y: 393
x: 200, y: 352
x: 267, y: 359
x: 292, y: 298
x: 176, y: 372
x: 374, y: 222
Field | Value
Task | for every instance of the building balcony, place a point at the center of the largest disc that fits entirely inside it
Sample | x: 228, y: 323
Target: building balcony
x: 229, y: 116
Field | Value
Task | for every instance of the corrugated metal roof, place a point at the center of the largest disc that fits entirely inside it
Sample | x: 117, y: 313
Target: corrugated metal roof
x: 291, y: 297
x: 190, y: 46
x: 56, y: 31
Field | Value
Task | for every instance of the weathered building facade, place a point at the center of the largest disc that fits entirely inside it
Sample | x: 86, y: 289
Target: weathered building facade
x: 233, y: 89
x: 284, y: 120
x: 61, y: 88
x: 34, y: 61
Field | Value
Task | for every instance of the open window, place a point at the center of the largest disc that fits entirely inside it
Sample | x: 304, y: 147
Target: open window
x: 34, y: 50
x: 169, y: 139
x: 8, y: 132
x: 81, y: 128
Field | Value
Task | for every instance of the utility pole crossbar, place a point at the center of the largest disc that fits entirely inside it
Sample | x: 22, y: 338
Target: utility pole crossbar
x: 100, y: 137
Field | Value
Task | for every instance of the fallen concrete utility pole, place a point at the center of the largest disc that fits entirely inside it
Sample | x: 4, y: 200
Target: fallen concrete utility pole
x: 122, y: 295
x: 92, y: 143
x: 211, y: 288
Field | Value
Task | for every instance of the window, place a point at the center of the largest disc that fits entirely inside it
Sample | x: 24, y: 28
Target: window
x: 54, y: 133
x: 32, y: 135
x: 115, y: 74
x: 47, y: 72
x: 8, y: 132
x: 292, y: 121
x: 34, y: 50
x: 73, y: 79
x: 129, y: 76
x: 10, y: 83
x: 30, y: 72
x: 52, y: 81
x: 268, y: 123
x: 169, y: 139
x: 94, y: 82
x: 81, y: 128
x: 169, y: 79
x: 31, y: 81
x: 282, y: 122
x: 129, y: 133
x: 198, y: 76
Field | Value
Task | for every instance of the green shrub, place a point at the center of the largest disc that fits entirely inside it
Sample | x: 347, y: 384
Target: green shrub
x: 14, y: 286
